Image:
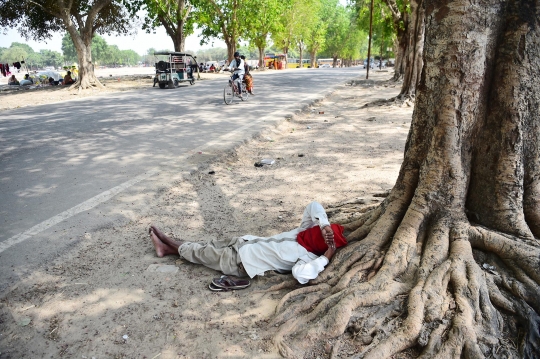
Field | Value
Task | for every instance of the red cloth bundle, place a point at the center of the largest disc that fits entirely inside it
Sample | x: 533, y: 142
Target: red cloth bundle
x: 312, y: 239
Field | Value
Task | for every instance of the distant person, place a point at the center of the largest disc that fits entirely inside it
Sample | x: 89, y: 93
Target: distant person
x: 52, y: 82
x: 13, y: 80
x: 68, y: 80
x: 248, y: 79
x: 27, y: 80
x: 212, y: 68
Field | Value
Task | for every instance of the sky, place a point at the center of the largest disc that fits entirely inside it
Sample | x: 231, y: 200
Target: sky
x: 140, y: 42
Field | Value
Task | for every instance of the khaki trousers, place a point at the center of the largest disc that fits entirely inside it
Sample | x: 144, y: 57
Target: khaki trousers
x: 218, y: 254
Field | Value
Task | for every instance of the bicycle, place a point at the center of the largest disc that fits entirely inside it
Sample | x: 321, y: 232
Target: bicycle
x: 231, y: 91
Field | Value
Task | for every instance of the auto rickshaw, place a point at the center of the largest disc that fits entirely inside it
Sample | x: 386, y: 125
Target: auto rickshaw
x: 172, y: 68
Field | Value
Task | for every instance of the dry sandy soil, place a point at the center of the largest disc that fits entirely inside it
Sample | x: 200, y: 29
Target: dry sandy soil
x: 102, y: 300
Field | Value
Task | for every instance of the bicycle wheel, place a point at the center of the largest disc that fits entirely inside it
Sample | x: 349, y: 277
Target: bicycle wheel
x: 244, y: 94
x: 228, y: 94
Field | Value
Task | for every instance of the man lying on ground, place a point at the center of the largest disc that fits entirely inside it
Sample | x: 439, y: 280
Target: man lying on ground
x: 305, y: 250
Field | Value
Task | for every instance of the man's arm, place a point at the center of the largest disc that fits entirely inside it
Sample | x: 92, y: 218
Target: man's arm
x: 314, y: 214
x: 303, y: 271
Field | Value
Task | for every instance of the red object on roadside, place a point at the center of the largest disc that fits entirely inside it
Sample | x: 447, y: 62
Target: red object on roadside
x: 312, y: 239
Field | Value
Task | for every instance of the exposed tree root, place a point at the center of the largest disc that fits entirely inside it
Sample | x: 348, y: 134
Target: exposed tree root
x: 89, y: 82
x: 454, y: 307
x: 282, y: 284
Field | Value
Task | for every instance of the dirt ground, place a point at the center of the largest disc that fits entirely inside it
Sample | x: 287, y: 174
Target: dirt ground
x: 104, y: 299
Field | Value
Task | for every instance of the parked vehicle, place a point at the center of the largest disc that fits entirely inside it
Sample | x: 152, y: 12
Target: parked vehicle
x: 174, y: 68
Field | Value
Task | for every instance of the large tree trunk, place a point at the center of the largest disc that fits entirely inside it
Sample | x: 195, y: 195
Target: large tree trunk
x: 400, y: 50
x: 448, y: 265
x: 412, y: 61
x: 83, y: 44
x: 313, y: 58
x: 231, y: 49
x: 261, y: 58
x: 179, y: 43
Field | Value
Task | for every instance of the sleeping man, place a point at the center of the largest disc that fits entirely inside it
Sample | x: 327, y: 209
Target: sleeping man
x: 304, y: 251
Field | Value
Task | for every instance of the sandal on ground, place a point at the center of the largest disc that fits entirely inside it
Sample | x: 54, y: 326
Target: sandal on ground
x: 213, y: 288
x: 226, y: 282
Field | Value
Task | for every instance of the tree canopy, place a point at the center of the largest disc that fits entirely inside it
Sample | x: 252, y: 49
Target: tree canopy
x: 174, y: 15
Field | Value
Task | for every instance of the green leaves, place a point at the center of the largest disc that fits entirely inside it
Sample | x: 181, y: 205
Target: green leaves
x: 174, y: 15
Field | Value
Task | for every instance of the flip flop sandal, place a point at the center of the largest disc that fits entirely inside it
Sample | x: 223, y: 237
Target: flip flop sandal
x: 228, y: 283
x: 213, y: 288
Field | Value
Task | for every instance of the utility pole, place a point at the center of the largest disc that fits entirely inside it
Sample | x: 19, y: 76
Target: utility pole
x: 369, y: 43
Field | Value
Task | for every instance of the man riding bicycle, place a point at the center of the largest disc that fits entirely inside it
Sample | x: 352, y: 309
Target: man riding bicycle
x: 237, y: 66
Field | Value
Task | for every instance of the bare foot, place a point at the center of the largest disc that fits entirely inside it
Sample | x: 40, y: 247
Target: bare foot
x: 162, y: 249
x: 162, y: 236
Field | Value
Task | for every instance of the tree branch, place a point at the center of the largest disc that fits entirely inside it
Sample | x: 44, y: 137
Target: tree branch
x: 394, y: 9
x: 46, y: 9
x: 92, y: 14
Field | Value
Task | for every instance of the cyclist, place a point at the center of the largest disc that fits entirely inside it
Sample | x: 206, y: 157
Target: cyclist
x: 237, y: 66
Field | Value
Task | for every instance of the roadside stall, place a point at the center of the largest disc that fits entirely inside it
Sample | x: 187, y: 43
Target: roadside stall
x: 275, y: 61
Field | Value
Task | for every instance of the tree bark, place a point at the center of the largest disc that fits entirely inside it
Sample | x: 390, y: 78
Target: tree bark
x: 231, y: 49
x: 313, y: 58
x: 401, y: 19
x: 412, y: 54
x: 261, y: 58
x: 400, y: 64
x: 410, y: 42
x: 447, y: 266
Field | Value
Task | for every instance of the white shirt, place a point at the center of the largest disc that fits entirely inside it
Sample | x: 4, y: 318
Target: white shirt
x: 240, y: 70
x: 282, y: 252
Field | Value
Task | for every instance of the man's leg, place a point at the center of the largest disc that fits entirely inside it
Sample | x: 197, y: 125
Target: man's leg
x: 235, y: 82
x: 217, y: 254
x: 221, y: 255
x: 240, y: 79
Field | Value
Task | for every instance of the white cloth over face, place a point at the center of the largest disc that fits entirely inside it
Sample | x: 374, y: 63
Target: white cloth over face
x: 282, y: 252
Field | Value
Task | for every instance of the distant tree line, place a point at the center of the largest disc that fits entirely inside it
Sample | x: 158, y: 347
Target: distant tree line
x: 35, y: 60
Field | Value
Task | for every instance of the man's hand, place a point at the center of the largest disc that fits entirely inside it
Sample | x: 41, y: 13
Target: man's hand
x: 328, y: 236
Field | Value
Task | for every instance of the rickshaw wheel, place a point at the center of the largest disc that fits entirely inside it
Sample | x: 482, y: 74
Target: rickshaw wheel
x: 162, y: 85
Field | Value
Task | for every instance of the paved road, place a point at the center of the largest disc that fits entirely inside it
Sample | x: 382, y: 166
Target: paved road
x: 57, y: 161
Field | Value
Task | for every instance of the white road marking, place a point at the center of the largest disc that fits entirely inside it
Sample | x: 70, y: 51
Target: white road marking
x: 85, y: 206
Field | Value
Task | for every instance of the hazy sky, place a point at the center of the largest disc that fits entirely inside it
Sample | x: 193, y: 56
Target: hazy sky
x: 140, y: 42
